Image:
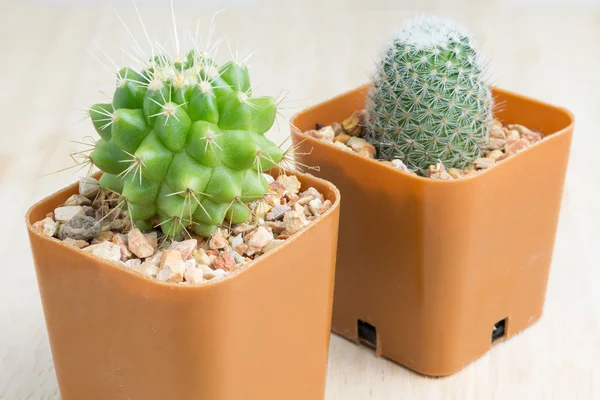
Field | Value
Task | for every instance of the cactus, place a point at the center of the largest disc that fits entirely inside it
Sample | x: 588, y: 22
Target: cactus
x: 429, y: 102
x: 184, y: 140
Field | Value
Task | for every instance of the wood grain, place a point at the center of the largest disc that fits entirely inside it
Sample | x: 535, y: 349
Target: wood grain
x: 314, y: 50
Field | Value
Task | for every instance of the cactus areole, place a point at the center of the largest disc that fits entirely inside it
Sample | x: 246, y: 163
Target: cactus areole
x: 185, y: 141
x: 429, y: 102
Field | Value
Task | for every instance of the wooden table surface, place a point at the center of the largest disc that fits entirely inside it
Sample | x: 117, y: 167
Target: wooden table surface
x: 314, y: 50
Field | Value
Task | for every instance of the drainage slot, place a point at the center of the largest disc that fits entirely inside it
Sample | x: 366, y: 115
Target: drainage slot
x: 367, y: 334
x: 499, y: 330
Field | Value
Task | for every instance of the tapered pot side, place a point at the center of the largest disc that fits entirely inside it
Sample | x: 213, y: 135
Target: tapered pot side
x: 434, y: 265
x: 262, y: 333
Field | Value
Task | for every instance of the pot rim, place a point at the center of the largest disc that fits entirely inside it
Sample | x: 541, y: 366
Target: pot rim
x: 207, y: 284
x: 417, y: 178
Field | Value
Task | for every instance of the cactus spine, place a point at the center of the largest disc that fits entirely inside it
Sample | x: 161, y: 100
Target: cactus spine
x: 184, y: 140
x: 429, y: 102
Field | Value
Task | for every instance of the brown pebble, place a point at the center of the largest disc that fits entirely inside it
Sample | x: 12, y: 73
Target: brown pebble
x: 483, y: 163
x: 438, y: 171
x: 512, y: 134
x: 496, y: 144
x: 217, y: 242
x: 337, y: 128
x: 516, y: 146
x: 456, y: 173
x: 353, y: 125
x: 342, y: 138
x: 225, y: 262
x: 241, y: 248
x: 497, y: 132
x: 496, y: 155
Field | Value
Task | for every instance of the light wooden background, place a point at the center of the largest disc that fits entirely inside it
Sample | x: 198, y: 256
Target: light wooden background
x: 314, y: 50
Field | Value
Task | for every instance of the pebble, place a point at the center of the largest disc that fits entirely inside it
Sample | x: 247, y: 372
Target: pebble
x: 273, y: 244
x: 367, y: 152
x: 456, y: 173
x: 438, y: 171
x: 469, y: 170
x: 185, y: 247
x: 118, y: 225
x: 217, y: 242
x: 276, y: 226
x: 353, y: 124
x: 138, y: 244
x: 171, y: 266
x: 294, y: 222
x: 277, y: 190
x: 237, y: 257
x: 312, y: 193
x: 134, y: 262
x: 47, y: 226
x: 277, y: 212
x: 78, y: 200
x: 147, y: 269
x: 89, y: 187
x: 526, y: 133
x: 201, y: 257
x: 516, y: 146
x: 102, y: 237
x: 80, y: 244
x: 155, y: 258
x: 342, y: 146
x: 81, y: 227
x: 66, y: 213
x: 119, y: 241
x: 105, y: 250
x: 152, y: 238
x: 359, y: 144
x: 225, y: 261
x: 484, y: 163
x: 496, y: 155
x: 337, y: 128
x: 259, y: 239
x: 261, y: 209
x: 326, y: 206
x: 212, y: 274
x: 342, y: 138
x: 236, y: 240
x: 193, y: 275
x: 497, y: 132
x: 513, y: 134
x: 290, y: 183
x: 399, y: 164
x: 326, y: 134
x: 241, y: 248
x: 315, y: 206
x: 496, y: 144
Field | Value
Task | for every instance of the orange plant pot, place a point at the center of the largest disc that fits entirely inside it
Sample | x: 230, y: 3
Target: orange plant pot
x: 428, y: 269
x: 262, y: 333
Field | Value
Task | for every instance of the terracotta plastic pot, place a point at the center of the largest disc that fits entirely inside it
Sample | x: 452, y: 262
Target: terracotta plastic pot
x: 262, y: 333
x: 433, y: 273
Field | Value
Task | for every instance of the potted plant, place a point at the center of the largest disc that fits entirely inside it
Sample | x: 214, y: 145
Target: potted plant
x: 450, y: 209
x: 184, y: 271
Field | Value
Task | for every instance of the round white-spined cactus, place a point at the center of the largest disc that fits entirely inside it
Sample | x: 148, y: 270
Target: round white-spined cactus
x: 430, y: 102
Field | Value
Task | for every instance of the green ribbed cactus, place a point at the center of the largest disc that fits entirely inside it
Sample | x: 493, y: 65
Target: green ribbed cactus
x: 184, y: 140
x: 429, y: 102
